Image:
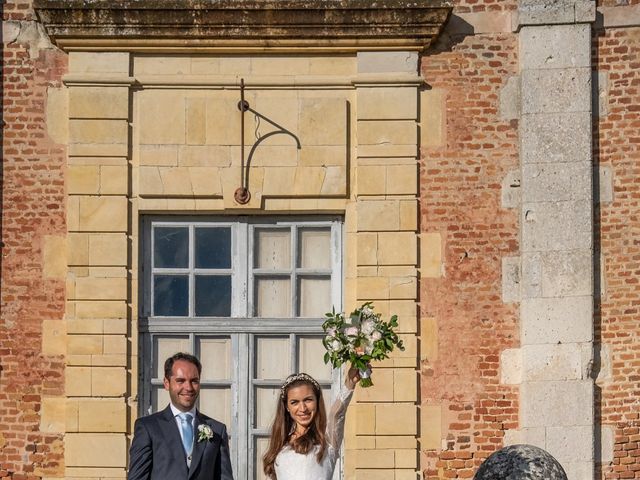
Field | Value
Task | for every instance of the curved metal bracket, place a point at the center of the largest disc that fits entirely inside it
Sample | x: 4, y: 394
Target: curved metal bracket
x: 242, y: 194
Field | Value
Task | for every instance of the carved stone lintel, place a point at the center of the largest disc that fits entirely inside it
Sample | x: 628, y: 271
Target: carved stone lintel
x: 335, y: 24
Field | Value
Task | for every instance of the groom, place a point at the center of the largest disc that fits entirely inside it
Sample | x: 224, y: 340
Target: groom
x: 180, y: 443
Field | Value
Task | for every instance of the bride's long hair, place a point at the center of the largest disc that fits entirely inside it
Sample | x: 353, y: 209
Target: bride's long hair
x: 283, y: 426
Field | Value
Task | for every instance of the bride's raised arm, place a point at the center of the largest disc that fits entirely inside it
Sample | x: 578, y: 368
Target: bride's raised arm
x: 337, y: 414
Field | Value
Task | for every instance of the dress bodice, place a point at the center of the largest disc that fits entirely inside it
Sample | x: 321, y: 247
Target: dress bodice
x: 290, y: 465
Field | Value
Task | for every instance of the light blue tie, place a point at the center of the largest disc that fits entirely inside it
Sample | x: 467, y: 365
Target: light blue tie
x: 187, y: 432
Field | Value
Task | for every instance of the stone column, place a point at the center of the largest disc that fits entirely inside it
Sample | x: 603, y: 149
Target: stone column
x: 557, y: 391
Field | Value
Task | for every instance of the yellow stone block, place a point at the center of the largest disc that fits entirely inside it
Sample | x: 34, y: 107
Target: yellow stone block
x: 231, y: 181
x: 279, y: 181
x: 397, y: 248
x: 308, y: 181
x: 402, y: 180
x: 79, y: 473
x: 396, y: 419
x: 205, y: 181
x: 430, y: 427
x: 99, y: 62
x: 281, y: 107
x: 410, y: 342
x: 279, y: 65
x: 364, y: 443
x: 78, y: 381
x: 99, y: 133
x: 382, y: 390
x: 387, y: 103
x: 84, y: 344
x: 114, y: 344
x: 77, y: 249
x: 54, y: 253
x: 102, y: 415
x: 196, y: 121
x: 176, y: 181
x: 71, y: 415
x: 115, y: 326
x: 333, y: 65
x: 230, y: 65
x: 107, y: 214
x: 375, y: 459
x: 431, y: 118
x: 99, y: 102
x: 98, y: 309
x: 108, y: 382
x: 83, y: 179
x: 57, y: 111
x: 108, y: 249
x: 335, y: 181
x: 409, y: 215
x: 109, y: 360
x: 205, y: 65
x: 373, y: 288
x: 161, y: 65
x: 371, y: 474
x: 73, y: 213
x: 407, y: 459
x: 403, y: 287
x: 159, y: 155
x: 204, y: 156
x: 53, y: 415
x: 428, y: 339
x: 91, y: 288
x: 85, y: 326
x: 54, y: 337
x: 163, y: 117
x: 323, y: 121
x: 385, y: 133
x: 95, y: 450
x: 371, y: 180
x: 149, y: 181
x: 405, y: 385
x: 365, y: 416
x: 223, y: 120
x: 323, y: 155
x: 367, y: 248
x: 114, y: 180
x: 431, y: 255
x: 378, y: 215
x: 407, y: 442
x: 407, y: 475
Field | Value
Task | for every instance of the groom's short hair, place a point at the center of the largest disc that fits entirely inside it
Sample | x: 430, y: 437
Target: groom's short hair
x: 187, y: 357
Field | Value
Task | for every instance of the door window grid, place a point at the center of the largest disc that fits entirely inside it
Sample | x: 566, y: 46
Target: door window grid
x: 242, y: 329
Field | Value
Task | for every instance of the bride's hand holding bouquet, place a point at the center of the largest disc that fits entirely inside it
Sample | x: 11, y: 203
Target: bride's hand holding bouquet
x: 360, y: 338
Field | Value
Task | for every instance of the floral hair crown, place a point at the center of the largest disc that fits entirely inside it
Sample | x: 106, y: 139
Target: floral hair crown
x: 295, y: 378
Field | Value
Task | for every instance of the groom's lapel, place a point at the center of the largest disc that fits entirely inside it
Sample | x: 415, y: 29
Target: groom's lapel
x: 199, y: 447
x: 172, y: 435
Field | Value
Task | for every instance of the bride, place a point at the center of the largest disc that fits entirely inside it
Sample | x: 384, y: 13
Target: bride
x: 304, y: 442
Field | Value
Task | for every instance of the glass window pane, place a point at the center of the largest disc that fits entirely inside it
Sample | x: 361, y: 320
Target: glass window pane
x: 311, y: 358
x: 170, y: 295
x: 314, y: 248
x: 213, y: 296
x: 272, y: 358
x: 273, y: 297
x: 216, y: 403
x: 267, y: 399
x: 314, y: 296
x: 171, y: 247
x: 215, y: 356
x: 213, y: 247
x: 164, y: 347
x: 272, y: 248
x: 260, y: 447
x: 160, y: 398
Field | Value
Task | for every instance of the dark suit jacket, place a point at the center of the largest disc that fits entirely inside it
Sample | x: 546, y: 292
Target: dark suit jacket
x: 156, y: 452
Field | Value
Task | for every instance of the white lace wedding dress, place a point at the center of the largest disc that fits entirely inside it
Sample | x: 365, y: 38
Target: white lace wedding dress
x: 290, y: 465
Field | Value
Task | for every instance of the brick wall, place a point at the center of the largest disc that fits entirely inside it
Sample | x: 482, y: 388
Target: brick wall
x: 617, y: 142
x: 32, y: 214
x: 461, y: 179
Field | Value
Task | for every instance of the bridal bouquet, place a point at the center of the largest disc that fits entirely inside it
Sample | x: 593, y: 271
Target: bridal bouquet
x: 359, y: 338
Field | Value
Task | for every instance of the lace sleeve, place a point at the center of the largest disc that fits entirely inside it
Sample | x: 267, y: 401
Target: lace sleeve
x: 336, y: 417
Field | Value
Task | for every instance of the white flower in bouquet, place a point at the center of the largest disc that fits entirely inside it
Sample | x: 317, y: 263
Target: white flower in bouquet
x: 359, y: 339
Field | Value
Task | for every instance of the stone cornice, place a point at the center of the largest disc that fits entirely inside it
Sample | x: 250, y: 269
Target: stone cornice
x: 243, y: 25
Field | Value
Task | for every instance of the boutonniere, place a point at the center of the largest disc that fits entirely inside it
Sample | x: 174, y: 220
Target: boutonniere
x: 204, y: 432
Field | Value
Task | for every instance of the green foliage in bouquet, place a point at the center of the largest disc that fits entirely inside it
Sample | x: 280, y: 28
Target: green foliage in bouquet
x: 360, y: 338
